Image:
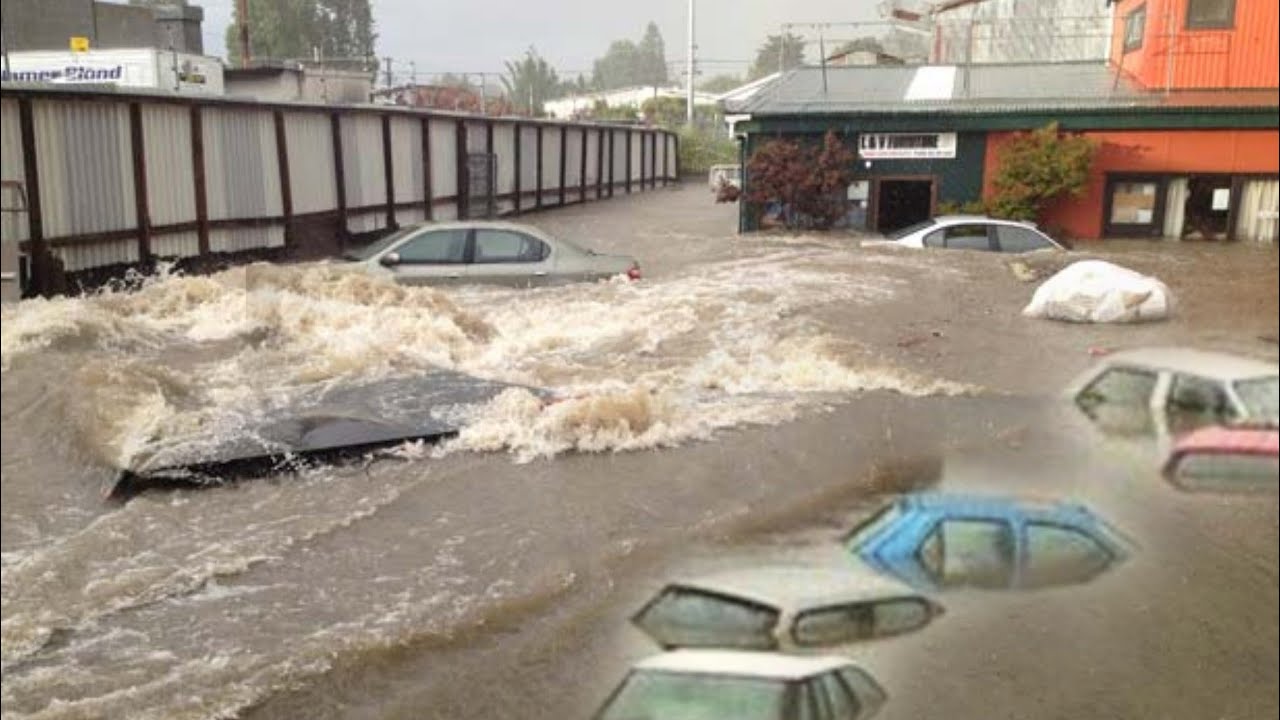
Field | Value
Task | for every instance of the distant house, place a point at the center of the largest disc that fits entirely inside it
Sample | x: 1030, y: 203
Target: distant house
x: 579, y: 105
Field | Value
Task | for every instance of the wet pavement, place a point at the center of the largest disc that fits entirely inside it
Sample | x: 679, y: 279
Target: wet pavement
x: 749, y: 401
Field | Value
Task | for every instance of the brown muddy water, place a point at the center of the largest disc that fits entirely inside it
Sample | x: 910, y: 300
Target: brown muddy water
x: 749, y: 399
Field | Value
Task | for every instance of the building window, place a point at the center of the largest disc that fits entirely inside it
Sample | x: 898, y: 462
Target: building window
x: 1209, y: 14
x: 1135, y: 26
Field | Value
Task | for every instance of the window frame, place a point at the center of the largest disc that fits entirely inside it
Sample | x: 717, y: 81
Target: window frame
x: 935, y: 528
x: 1049, y: 244
x: 1115, y: 370
x: 1228, y: 24
x: 1153, y: 229
x: 1138, y: 14
x: 869, y: 606
x: 475, y: 247
x: 772, y: 632
x: 467, y: 247
x: 1026, y: 560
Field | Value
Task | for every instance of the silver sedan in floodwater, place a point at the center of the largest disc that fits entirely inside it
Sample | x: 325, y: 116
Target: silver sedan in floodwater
x: 485, y: 252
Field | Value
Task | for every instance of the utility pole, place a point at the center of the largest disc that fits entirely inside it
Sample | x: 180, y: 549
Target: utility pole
x: 688, y: 89
x: 242, y: 15
x: 387, y: 76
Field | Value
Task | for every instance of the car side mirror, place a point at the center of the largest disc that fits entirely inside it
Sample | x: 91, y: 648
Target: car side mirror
x: 391, y: 259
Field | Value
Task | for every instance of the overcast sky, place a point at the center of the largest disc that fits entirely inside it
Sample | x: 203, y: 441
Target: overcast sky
x: 478, y: 35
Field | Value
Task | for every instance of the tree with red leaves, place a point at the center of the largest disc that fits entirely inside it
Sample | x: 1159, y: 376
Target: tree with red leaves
x: 808, y: 180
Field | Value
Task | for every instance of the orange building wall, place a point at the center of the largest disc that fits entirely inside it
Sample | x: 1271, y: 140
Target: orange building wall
x: 1244, y: 56
x: 1158, y: 151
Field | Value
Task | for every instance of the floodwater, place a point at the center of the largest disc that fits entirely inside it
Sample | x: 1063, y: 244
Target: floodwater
x: 750, y: 396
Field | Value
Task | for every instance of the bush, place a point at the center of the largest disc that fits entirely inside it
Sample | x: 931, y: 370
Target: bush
x: 809, y: 181
x: 1039, y: 167
x: 700, y: 149
x: 973, y: 207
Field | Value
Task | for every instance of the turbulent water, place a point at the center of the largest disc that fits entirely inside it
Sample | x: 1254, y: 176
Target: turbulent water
x: 198, y: 604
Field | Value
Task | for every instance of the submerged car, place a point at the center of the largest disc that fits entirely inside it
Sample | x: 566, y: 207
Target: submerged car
x: 484, y: 252
x: 943, y: 541
x: 740, y: 685
x: 1230, y: 459
x: 1170, y: 391
x: 972, y: 232
x: 783, y: 608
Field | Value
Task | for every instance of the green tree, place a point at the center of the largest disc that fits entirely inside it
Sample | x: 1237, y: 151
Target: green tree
x: 700, y: 148
x: 530, y: 82
x: 1039, y: 167
x: 295, y: 29
x: 623, y: 113
x: 720, y: 83
x: 626, y: 64
x: 652, y: 57
x: 779, y: 52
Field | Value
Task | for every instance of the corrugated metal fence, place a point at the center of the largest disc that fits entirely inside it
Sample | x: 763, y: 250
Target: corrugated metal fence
x: 115, y: 179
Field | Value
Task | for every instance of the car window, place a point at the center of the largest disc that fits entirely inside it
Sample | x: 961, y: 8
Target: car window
x: 870, y: 696
x: 1194, y: 402
x: 834, y: 625
x: 969, y: 553
x: 1261, y: 397
x: 966, y: 237
x: 1014, y: 239
x: 438, y: 246
x: 687, y: 617
x: 807, y: 707
x: 1226, y: 472
x: 503, y: 246
x: 655, y: 694
x: 935, y: 239
x: 859, y: 621
x: 1119, y: 400
x: 1059, y: 555
x: 841, y: 704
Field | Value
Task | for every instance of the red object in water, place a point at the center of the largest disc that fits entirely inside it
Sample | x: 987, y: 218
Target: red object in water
x: 1099, y: 351
x: 1229, y: 441
x: 634, y: 272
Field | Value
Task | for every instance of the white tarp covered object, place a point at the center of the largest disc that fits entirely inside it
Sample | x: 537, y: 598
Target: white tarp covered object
x: 1100, y: 292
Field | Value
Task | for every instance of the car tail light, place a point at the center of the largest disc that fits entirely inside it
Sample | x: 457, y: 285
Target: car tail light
x: 634, y: 272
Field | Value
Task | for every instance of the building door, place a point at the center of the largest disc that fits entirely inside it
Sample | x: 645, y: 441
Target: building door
x: 900, y: 202
x: 1259, y: 210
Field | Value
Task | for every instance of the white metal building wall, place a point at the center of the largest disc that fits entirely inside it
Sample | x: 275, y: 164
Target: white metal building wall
x: 573, y: 163
x: 312, y: 181
x: 550, y: 165
x: 171, y: 186
x: 16, y: 227
x: 242, y: 177
x: 444, y: 152
x: 504, y: 139
x: 528, y: 161
x: 619, y: 158
x: 363, y: 172
x: 406, y: 167
x: 84, y: 158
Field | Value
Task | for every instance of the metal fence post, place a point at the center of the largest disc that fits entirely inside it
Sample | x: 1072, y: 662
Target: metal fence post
x: 140, y: 183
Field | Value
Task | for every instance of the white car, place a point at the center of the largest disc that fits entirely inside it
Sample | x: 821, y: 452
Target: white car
x: 971, y: 232
x: 790, y: 608
x: 737, y: 685
x: 485, y: 252
x: 1169, y: 391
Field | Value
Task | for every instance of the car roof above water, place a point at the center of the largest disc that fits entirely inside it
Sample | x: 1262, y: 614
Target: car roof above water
x: 1030, y: 508
x: 743, y: 663
x: 797, y: 588
x: 953, y: 219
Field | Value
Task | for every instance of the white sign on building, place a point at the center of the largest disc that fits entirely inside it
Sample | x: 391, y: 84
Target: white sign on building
x: 906, y: 146
x: 137, y: 67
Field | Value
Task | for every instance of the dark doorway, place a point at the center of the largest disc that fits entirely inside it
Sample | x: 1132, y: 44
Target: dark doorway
x: 900, y: 203
x: 1208, y: 207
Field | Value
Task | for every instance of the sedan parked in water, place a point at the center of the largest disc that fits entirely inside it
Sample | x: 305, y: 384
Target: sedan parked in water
x: 737, y: 685
x: 791, y: 608
x: 972, y: 232
x: 482, y: 252
x: 944, y: 541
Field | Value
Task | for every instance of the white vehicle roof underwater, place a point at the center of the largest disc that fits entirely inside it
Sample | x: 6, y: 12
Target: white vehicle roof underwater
x: 743, y: 663
x: 1205, y: 363
x: 954, y: 219
x: 795, y: 588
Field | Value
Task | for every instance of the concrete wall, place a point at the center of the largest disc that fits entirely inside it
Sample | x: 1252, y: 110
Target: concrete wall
x: 45, y: 24
x: 50, y: 24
